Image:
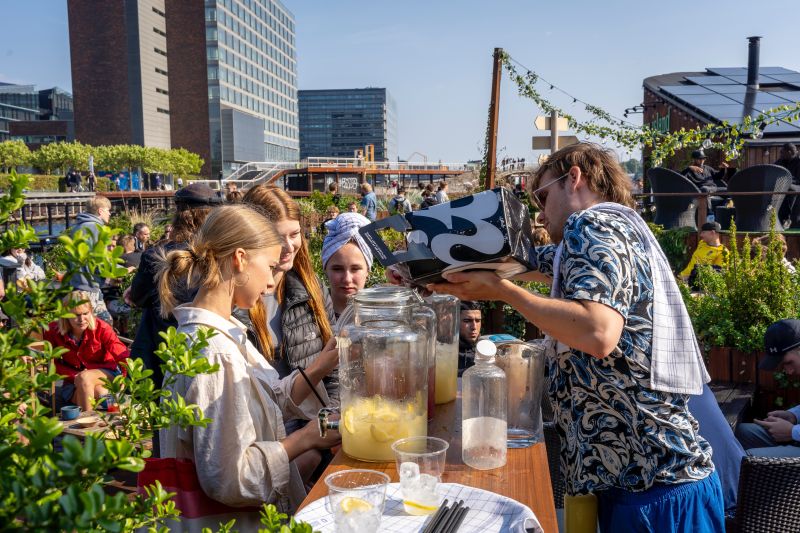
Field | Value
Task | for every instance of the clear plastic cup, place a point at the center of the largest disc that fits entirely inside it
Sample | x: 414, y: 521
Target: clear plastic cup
x: 420, y: 465
x: 356, y: 498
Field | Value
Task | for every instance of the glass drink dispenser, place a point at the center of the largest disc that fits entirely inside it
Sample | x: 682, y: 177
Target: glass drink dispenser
x: 383, y: 373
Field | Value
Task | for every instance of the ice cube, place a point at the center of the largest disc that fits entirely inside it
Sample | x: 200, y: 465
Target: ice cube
x: 409, y: 471
x: 427, y: 483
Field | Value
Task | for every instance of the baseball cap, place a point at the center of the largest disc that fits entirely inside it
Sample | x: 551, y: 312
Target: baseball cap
x: 698, y: 154
x: 197, y: 194
x: 711, y: 226
x: 781, y: 337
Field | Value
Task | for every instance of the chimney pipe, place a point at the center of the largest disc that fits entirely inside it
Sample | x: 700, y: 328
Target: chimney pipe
x: 752, y: 61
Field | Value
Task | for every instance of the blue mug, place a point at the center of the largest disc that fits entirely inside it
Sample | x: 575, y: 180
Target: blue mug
x: 70, y: 412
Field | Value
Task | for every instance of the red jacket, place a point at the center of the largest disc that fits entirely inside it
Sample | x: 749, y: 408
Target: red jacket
x: 99, y: 348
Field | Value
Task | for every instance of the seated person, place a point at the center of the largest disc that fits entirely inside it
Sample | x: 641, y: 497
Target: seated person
x: 705, y: 177
x: 710, y: 251
x: 94, y: 352
x: 789, y: 212
x: 468, y: 333
x: 131, y: 258
x: 30, y: 270
x: 779, y: 434
x: 761, y: 245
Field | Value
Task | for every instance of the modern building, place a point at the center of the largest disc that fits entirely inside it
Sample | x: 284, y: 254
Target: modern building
x: 216, y: 77
x: 119, y: 72
x: 691, y: 99
x: 338, y: 122
x: 35, y: 116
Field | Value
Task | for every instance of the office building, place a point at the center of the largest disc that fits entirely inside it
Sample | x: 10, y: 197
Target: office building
x: 35, y: 116
x: 119, y: 72
x: 338, y: 122
x: 216, y: 77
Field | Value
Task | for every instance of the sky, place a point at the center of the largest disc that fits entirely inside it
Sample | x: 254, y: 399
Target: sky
x: 435, y: 57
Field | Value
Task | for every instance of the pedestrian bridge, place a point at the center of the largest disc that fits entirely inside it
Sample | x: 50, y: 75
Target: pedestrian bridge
x: 301, y: 178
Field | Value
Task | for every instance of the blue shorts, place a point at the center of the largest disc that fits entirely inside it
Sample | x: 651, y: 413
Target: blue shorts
x: 68, y: 387
x: 695, y: 507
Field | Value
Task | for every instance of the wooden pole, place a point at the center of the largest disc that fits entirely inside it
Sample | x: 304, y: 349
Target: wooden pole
x: 553, y: 131
x: 494, y: 109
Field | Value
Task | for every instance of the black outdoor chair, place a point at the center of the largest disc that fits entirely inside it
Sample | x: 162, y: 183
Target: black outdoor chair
x: 673, y: 211
x: 768, y: 496
x: 753, y: 213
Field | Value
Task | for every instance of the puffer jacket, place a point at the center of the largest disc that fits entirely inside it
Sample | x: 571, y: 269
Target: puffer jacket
x: 302, y: 338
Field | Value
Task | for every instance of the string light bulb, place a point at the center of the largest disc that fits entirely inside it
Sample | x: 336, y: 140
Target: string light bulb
x: 707, y: 144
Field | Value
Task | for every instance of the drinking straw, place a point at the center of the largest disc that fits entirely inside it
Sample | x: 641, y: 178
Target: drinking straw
x: 313, y: 389
x: 462, y: 513
x: 444, y: 525
x: 436, y: 518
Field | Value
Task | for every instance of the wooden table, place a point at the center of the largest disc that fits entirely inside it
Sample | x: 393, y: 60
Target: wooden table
x: 72, y: 428
x: 525, y: 478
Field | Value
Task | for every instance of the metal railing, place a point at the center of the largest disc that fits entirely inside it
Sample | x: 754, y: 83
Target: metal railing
x: 702, y: 197
x: 348, y: 162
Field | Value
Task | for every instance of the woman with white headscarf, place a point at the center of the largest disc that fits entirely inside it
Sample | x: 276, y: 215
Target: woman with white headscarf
x: 346, y: 258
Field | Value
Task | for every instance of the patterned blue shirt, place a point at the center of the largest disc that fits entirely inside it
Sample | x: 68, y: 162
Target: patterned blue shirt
x: 615, y: 431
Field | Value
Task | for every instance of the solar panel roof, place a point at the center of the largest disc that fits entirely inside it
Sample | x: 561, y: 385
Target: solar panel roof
x: 723, y: 94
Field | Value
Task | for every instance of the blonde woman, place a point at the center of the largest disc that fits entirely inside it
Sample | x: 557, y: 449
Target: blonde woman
x: 94, y: 352
x: 243, y: 457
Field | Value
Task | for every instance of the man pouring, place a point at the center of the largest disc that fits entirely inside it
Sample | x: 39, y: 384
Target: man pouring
x: 624, y: 358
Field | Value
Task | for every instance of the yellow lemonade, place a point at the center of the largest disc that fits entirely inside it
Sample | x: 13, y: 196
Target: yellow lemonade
x: 446, y: 372
x: 369, y: 426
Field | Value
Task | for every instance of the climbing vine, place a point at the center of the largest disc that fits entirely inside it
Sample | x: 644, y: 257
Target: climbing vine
x: 729, y: 138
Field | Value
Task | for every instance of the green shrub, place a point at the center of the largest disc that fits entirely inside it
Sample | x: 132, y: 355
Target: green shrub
x: 738, y: 304
x: 673, y: 244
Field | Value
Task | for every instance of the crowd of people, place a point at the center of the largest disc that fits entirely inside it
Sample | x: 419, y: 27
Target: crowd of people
x: 715, y: 180
x: 638, y: 424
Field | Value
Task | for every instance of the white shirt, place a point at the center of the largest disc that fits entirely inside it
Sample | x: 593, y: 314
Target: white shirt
x: 239, y: 458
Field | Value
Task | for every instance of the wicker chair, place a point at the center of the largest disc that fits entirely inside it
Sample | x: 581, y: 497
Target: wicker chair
x: 753, y: 213
x: 673, y: 211
x: 769, y: 496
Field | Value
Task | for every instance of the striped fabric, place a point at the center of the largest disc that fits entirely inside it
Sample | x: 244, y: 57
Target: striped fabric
x: 343, y: 229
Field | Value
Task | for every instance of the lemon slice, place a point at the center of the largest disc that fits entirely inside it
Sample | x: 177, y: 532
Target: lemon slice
x: 349, y: 421
x: 419, y: 506
x: 351, y: 504
x: 380, y: 435
x: 386, y: 429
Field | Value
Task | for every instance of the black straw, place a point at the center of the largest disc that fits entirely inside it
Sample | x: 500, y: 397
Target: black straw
x: 462, y: 513
x: 436, y: 518
x: 445, y: 524
x: 313, y: 389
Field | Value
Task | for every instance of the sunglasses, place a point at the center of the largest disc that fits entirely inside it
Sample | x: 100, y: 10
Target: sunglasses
x: 540, y: 199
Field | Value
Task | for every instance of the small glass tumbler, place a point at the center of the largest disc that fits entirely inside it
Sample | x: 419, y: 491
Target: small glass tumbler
x: 420, y: 464
x: 356, y: 498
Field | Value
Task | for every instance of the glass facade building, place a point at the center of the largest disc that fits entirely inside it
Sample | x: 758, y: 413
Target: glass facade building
x: 23, y: 103
x: 337, y: 122
x: 252, y: 82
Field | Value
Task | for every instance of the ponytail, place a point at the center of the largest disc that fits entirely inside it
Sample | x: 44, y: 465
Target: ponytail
x: 175, y: 267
